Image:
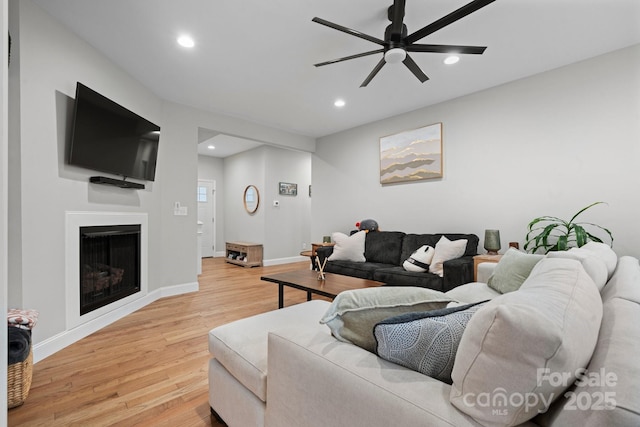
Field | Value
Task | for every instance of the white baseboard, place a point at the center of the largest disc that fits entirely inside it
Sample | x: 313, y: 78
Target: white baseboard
x: 278, y: 261
x: 57, y: 342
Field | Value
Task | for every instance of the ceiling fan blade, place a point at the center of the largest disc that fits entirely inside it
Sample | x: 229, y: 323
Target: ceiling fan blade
x: 446, y: 48
x: 449, y: 19
x: 348, y: 31
x: 373, y: 73
x: 411, y: 65
x: 358, y: 55
x: 396, y: 20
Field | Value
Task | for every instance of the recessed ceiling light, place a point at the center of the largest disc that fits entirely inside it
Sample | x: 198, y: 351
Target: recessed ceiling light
x: 451, y: 59
x: 186, y: 41
x: 211, y: 147
x: 339, y: 103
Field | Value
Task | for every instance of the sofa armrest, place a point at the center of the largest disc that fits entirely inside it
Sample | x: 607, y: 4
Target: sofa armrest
x: 485, y: 270
x: 316, y: 381
x: 457, y: 272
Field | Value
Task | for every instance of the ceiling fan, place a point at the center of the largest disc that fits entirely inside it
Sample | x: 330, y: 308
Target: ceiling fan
x: 397, y: 43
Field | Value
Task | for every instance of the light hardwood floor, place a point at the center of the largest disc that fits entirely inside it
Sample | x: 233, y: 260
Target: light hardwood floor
x: 149, y: 368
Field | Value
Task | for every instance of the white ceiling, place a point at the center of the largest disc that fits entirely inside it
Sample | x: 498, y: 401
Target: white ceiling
x: 254, y: 59
x: 223, y: 145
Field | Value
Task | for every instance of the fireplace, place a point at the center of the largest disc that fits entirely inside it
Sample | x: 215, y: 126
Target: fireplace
x: 101, y: 222
x: 109, y: 264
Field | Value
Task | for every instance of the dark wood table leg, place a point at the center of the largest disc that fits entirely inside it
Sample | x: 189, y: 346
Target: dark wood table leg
x: 308, y: 296
x: 280, y: 295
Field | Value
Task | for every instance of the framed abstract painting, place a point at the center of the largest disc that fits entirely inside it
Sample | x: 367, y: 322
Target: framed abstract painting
x: 412, y: 155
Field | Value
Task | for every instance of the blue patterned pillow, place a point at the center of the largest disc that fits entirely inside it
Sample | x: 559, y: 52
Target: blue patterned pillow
x: 426, y: 342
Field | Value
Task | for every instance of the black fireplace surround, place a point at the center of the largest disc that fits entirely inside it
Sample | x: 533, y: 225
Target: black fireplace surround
x: 109, y: 264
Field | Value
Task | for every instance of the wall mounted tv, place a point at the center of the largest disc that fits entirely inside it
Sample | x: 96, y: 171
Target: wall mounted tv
x: 109, y: 138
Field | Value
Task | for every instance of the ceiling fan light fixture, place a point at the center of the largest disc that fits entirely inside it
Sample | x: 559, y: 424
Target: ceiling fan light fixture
x: 395, y: 55
x: 450, y: 60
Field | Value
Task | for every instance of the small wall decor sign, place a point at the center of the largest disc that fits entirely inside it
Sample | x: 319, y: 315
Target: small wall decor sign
x: 412, y: 155
x: 288, y: 189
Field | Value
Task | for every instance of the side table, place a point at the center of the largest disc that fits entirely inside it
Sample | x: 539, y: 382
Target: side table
x: 312, y: 253
x: 478, y: 259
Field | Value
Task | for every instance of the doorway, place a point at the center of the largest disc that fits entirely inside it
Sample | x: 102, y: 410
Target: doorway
x: 206, y: 215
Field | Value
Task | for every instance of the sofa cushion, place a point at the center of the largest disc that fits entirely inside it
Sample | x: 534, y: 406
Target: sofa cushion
x: 241, y: 346
x: 426, y: 342
x: 398, y: 276
x: 353, y: 314
x: 348, y: 248
x: 512, y: 270
x: 472, y: 292
x: 549, y: 326
x: 384, y: 247
x: 605, y: 253
x: 612, y: 376
x: 444, y: 251
x: 624, y: 282
x: 363, y: 270
x: 591, y: 262
x: 607, y: 392
x: 420, y: 259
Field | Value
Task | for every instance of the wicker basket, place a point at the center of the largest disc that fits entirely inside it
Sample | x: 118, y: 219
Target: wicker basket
x: 19, y: 377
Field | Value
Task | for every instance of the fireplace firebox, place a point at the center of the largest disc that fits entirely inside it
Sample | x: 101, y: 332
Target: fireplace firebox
x: 109, y: 264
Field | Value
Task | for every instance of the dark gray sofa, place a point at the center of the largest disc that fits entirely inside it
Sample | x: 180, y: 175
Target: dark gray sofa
x: 385, y: 251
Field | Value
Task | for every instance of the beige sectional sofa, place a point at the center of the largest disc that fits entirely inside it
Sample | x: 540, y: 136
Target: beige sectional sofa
x: 570, y: 334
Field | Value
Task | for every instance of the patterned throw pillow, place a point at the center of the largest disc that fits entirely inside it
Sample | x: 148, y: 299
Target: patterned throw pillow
x: 419, y: 260
x: 426, y: 342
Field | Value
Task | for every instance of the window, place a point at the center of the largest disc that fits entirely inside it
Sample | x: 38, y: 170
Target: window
x: 202, y: 194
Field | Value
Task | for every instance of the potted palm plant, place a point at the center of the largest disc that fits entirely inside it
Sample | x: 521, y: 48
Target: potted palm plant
x: 550, y: 233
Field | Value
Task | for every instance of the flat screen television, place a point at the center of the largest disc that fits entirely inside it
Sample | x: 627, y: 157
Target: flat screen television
x: 109, y: 138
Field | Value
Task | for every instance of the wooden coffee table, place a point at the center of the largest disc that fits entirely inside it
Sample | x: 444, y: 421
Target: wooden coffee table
x: 307, y: 280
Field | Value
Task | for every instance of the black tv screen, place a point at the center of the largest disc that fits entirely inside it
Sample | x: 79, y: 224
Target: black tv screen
x: 109, y: 138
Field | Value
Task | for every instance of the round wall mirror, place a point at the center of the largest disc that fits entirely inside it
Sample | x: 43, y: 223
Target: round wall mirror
x: 251, y: 199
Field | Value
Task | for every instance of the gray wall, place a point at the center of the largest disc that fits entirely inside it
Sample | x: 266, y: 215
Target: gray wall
x: 283, y: 229
x: 549, y: 144
x: 288, y: 225
x: 43, y: 187
x: 241, y: 170
x: 49, y: 60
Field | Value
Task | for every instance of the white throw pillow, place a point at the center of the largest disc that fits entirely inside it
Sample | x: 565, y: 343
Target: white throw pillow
x: 445, y: 250
x: 420, y: 259
x: 348, y: 248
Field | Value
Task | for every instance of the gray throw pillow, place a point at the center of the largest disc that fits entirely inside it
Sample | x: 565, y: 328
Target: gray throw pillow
x: 512, y: 270
x: 353, y: 314
x: 426, y: 342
